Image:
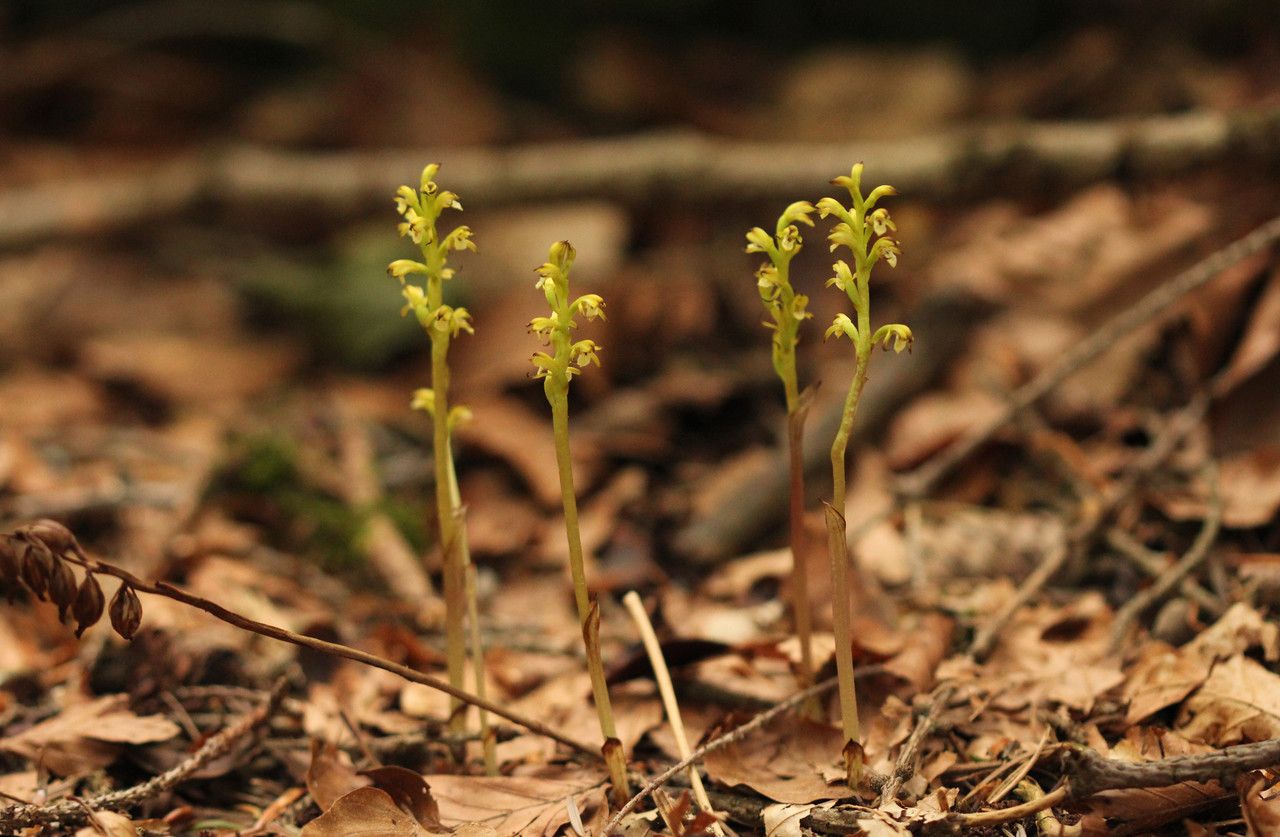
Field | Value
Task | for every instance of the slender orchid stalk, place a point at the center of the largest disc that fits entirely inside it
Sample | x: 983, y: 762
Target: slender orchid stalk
x: 788, y: 309
x: 556, y: 369
x: 421, y: 209
x: 865, y: 231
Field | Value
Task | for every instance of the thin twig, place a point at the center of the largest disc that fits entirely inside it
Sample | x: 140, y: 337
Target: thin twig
x: 919, y: 482
x: 66, y: 812
x: 904, y: 766
x: 1152, y: 563
x: 1013, y: 814
x: 1194, y: 557
x: 332, y: 649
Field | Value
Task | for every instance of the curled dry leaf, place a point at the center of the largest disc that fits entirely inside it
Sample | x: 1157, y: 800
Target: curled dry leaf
x: 1162, y: 676
x: 366, y: 812
x: 399, y: 802
x: 109, y: 824
x: 88, y: 736
x: 1259, y: 803
x: 783, y: 820
x: 792, y: 760
x: 1238, y: 703
x: 533, y: 806
x: 330, y: 776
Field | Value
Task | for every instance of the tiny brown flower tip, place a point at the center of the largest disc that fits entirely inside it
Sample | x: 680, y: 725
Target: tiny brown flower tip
x: 126, y: 612
x: 89, y: 604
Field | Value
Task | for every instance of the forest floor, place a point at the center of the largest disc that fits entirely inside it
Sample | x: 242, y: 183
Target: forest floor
x: 1063, y: 504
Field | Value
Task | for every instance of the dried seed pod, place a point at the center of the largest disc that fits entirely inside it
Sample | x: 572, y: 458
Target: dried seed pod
x: 52, y: 534
x: 10, y: 563
x: 126, y: 611
x: 37, y: 566
x: 62, y: 587
x: 88, y: 605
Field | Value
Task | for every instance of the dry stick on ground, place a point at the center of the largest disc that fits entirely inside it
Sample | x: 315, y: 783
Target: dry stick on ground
x: 647, y: 168
x: 927, y: 476
x: 1095, y: 513
x: 1152, y: 563
x: 332, y: 649
x: 904, y: 765
x: 1179, y: 572
x: 662, y: 676
x: 66, y: 812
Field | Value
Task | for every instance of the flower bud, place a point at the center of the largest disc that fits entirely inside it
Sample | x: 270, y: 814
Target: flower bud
x: 562, y: 255
x: 88, y: 605
x: 126, y: 612
x: 62, y: 587
x: 37, y: 565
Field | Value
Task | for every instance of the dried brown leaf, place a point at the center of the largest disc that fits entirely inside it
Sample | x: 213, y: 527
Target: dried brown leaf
x: 525, y: 805
x: 1143, y: 809
x: 88, y: 736
x: 109, y: 824
x: 365, y: 812
x: 330, y: 776
x: 1238, y: 703
x: 792, y: 760
x: 1259, y: 803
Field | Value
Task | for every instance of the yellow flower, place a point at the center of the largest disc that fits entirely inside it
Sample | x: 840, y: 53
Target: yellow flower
x: 543, y: 326
x: 758, y: 241
x: 590, y: 306
x: 881, y: 222
x: 897, y: 335
x: 459, y: 239
x: 842, y: 325
x: 584, y: 352
x: 844, y: 278
x: 401, y: 268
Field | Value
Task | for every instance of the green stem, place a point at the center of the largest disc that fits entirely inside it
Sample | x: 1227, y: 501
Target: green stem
x: 454, y: 568
x: 799, y: 567
x: 838, y: 545
x: 488, y: 739
x: 595, y: 665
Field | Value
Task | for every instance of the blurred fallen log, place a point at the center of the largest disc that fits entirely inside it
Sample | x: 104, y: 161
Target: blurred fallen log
x: 1029, y: 158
